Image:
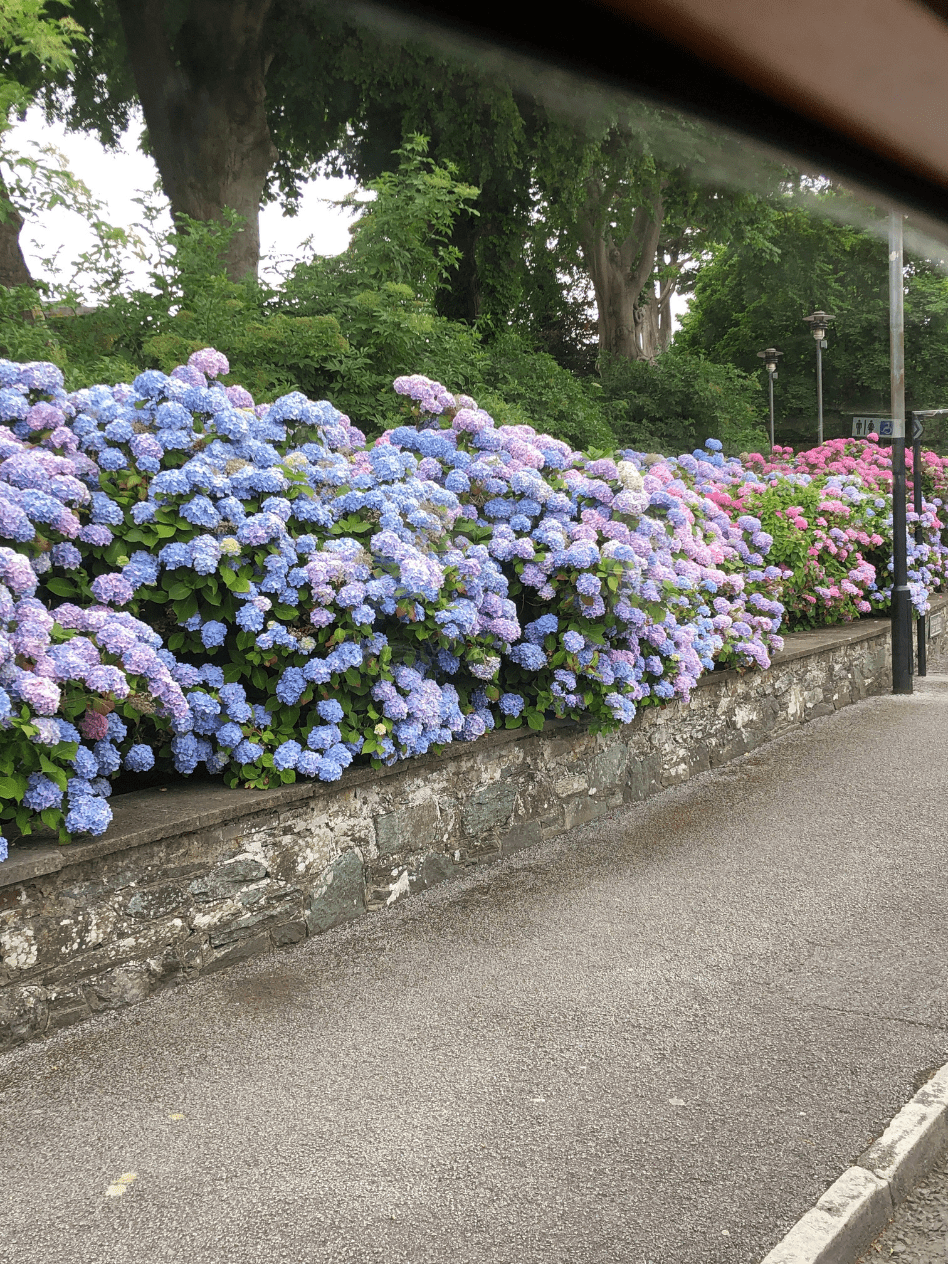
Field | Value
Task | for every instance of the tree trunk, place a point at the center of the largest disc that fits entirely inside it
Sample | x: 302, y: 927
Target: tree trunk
x: 656, y: 323
x: 619, y: 272
x: 203, y: 97
x: 13, y: 269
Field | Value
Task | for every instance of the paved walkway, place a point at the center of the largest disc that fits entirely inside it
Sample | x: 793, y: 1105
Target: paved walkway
x: 655, y: 1040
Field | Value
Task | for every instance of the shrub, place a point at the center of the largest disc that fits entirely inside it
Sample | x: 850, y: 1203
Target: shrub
x: 191, y: 579
x: 673, y: 404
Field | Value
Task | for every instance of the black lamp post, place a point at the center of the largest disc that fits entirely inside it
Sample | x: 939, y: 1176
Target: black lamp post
x: 770, y: 358
x: 818, y: 323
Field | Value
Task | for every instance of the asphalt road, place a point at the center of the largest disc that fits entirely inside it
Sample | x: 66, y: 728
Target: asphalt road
x: 655, y: 1040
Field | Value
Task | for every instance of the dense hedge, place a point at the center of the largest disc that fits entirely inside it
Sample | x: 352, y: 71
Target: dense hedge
x: 192, y: 581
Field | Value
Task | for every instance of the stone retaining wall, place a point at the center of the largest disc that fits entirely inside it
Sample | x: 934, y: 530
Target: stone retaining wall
x: 195, y: 877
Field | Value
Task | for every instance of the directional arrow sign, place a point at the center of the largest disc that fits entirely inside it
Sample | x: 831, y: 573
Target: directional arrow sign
x: 917, y: 429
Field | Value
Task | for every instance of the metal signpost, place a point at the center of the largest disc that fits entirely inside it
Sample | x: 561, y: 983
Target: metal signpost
x: 921, y: 652
x: 901, y: 597
x: 918, y: 430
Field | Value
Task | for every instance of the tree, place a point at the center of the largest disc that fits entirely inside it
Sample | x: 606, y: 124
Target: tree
x: 754, y: 295
x: 199, y: 71
x: 246, y: 100
x: 32, y: 44
x: 628, y: 192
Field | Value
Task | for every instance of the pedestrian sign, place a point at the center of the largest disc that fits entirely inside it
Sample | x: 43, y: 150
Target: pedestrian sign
x: 884, y: 427
x: 863, y: 426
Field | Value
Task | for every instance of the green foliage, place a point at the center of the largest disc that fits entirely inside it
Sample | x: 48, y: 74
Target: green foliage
x: 341, y: 328
x: 344, y: 327
x: 753, y: 295
x: 679, y: 401
x: 33, y: 44
x: 523, y: 386
x: 402, y: 236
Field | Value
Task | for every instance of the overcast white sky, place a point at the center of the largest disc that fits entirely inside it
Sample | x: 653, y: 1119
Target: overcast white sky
x: 116, y: 179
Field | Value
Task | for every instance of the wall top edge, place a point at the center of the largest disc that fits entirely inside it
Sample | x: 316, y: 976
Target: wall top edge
x: 147, y: 816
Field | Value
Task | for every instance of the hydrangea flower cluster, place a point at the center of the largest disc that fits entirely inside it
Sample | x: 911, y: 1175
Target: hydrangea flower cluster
x: 189, y: 580
x: 830, y: 512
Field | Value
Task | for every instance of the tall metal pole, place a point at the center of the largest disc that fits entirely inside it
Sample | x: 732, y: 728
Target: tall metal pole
x: 770, y: 379
x: 901, y: 600
x: 920, y: 621
x: 819, y: 391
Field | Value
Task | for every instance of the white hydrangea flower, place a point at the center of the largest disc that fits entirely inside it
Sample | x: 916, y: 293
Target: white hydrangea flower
x: 629, y: 476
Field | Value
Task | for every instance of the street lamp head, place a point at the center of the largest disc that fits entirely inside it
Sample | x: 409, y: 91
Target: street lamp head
x: 818, y: 322
x: 770, y: 358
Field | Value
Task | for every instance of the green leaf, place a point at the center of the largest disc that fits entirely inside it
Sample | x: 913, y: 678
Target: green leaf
x: 535, y: 720
x: 55, y: 774
x: 12, y: 788
x: 236, y: 583
x: 61, y: 587
x: 184, y: 609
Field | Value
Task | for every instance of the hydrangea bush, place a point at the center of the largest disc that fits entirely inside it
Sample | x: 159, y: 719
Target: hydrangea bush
x: 189, y: 580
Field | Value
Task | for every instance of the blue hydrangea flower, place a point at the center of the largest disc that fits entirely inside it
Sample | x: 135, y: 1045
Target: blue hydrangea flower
x: 140, y: 758
x: 330, y: 710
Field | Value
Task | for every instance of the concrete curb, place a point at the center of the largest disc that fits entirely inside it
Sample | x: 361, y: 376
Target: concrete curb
x: 857, y: 1207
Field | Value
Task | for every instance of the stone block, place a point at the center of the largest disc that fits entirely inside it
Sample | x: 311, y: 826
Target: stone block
x: 843, y: 1223
x: 490, y: 807
x: 288, y: 933
x: 572, y: 783
x: 155, y: 902
x: 608, y: 768
x: 435, y: 867
x: 340, y: 896
x: 66, y: 1008
x: 410, y: 828
x: 243, y: 949
x: 125, y: 985
x: 584, y: 808
x: 524, y: 834
x: 821, y: 708
x: 644, y: 777
x: 24, y: 1013
x: 191, y: 953
x: 243, y: 869
x: 222, y: 883
x: 244, y: 925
